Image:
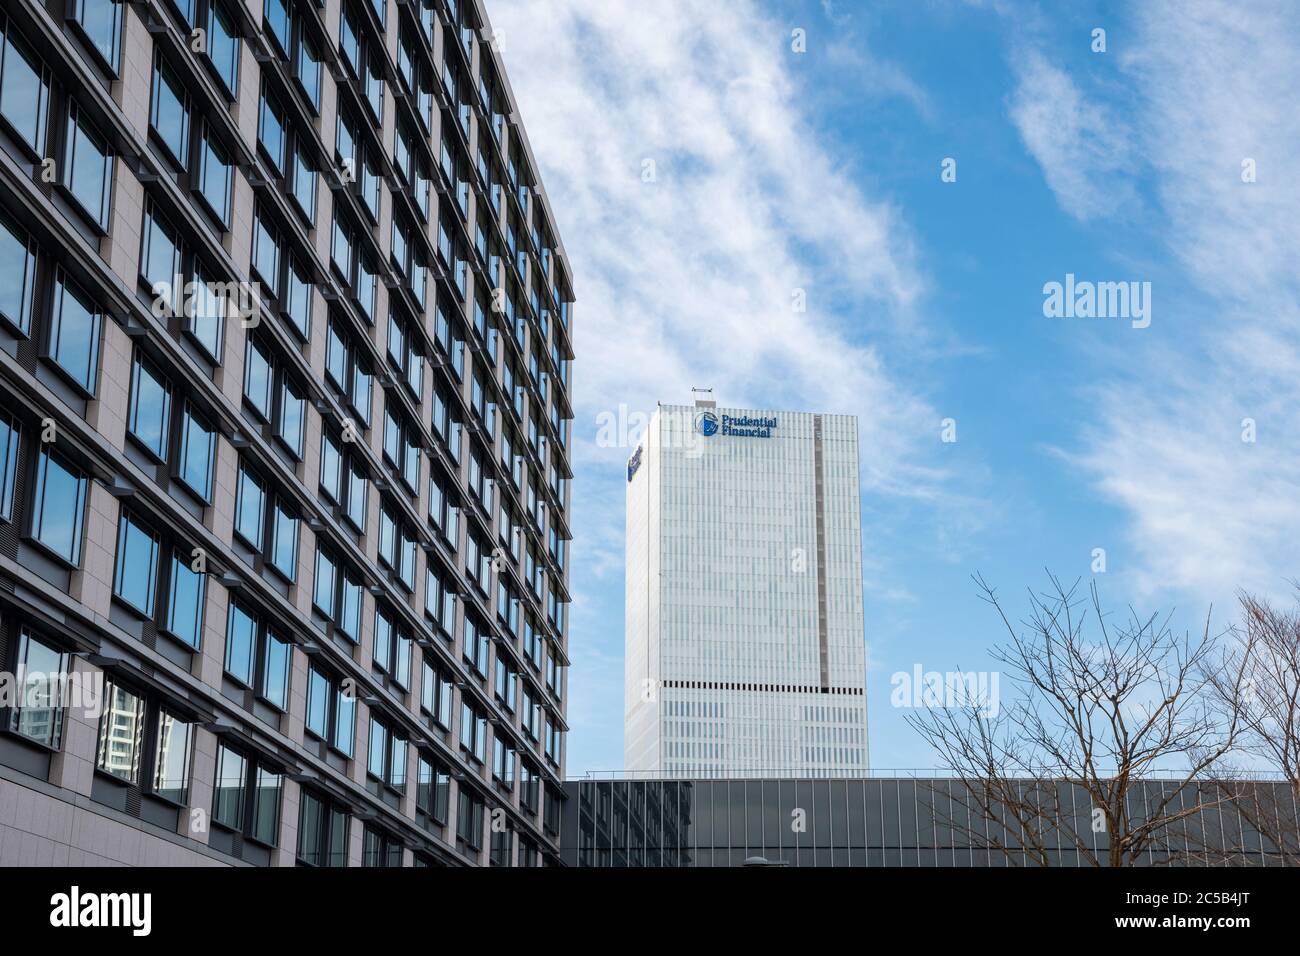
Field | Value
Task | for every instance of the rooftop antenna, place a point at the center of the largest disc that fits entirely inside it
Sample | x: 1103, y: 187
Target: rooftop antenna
x: 704, y: 398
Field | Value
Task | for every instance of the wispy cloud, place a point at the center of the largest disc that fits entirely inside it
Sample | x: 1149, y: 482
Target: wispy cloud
x: 1215, y: 85
x: 1082, y: 146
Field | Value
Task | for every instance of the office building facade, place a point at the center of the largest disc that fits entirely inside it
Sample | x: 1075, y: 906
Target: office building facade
x: 744, y: 618
x: 893, y: 821
x: 285, y: 356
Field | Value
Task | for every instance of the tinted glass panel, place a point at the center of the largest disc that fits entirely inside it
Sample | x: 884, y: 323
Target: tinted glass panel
x: 58, y: 507
x: 18, y: 266
x: 185, y: 602
x: 24, y: 92
x: 74, y: 335
x: 137, y: 565
x: 150, y: 410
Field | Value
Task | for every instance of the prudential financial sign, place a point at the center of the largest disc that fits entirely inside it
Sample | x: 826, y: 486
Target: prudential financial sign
x: 709, y: 424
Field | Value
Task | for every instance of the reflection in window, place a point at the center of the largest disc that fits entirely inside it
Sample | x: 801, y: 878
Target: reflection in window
x: 160, y: 260
x: 198, y: 451
x: 137, y: 565
x: 266, y: 807
x: 169, y: 116
x: 101, y: 21
x: 270, y: 132
x: 228, y: 801
x: 223, y: 47
x: 293, y: 412
x: 24, y: 88
x: 207, y: 316
x: 58, y: 507
x: 88, y: 168
x: 266, y: 252
x: 241, y: 635
x: 149, y: 413
x: 172, y: 758
x: 275, y: 670
x: 322, y: 832
x: 214, y: 181
x: 8, y: 465
x: 331, y: 711
x: 185, y: 602
x: 257, y: 378
x: 41, y: 671
x: 120, y: 729
x: 250, y: 509
x: 74, y: 335
x: 18, y: 266
x: 284, y: 541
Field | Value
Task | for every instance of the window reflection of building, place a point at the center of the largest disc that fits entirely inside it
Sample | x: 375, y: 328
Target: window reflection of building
x: 171, y: 766
x: 120, y: 729
x: 42, y: 671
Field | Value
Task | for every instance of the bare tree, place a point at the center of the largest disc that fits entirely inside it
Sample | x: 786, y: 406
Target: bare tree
x: 1261, y: 671
x: 1068, y: 765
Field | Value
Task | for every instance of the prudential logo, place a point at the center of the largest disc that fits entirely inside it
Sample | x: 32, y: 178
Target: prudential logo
x: 75, y: 908
x: 706, y: 423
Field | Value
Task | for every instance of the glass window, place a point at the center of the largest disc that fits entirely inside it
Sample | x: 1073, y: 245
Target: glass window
x: 214, y: 183
x: 284, y: 541
x: 322, y: 832
x: 308, y: 68
x: 345, y: 723
x: 350, y: 619
x: 8, y: 465
x: 266, y: 252
x: 257, y: 377
x: 40, y: 671
x: 329, y: 704
x: 207, y: 310
x: 74, y: 334
x: 160, y: 260
x: 149, y: 414
x: 185, y: 602
x: 136, y: 579
x: 121, y: 728
x: 293, y: 414
x: 18, y: 265
x: 277, y: 18
x: 298, y: 301
x: 378, y: 750
x: 88, y: 169
x: 172, y: 758
x: 383, y: 640
x: 58, y: 507
x: 250, y: 508
x: 24, y: 89
x: 198, y: 450
x: 323, y: 594
x: 331, y: 468
x: 270, y: 132
x: 228, y: 801
x: 101, y: 21
x: 223, y: 47
x: 241, y: 637
x: 318, y: 700
x: 169, y: 116
x: 304, y: 184
x: 357, y: 492
x: 275, y: 671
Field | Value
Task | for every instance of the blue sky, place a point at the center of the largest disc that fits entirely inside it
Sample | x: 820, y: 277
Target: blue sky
x: 775, y: 171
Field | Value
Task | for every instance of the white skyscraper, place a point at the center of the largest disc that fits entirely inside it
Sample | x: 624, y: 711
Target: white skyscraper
x: 744, y: 622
